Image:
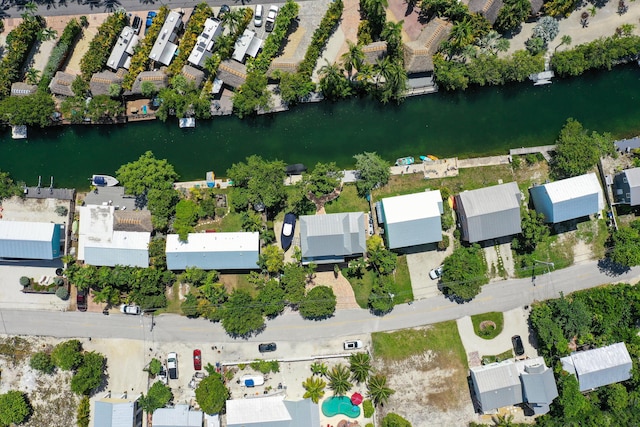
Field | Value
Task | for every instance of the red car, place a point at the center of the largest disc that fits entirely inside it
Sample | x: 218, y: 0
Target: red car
x: 197, y: 360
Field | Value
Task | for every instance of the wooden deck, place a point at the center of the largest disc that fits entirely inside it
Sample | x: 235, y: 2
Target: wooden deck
x: 543, y: 149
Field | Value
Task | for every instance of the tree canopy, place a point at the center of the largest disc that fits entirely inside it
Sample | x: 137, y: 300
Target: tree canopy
x: 212, y: 394
x: 8, y: 188
x: 625, y: 243
x: 319, y: 303
x: 89, y: 375
x: 373, y: 170
x: 32, y: 110
x: 67, y: 355
x: 464, y: 272
x: 14, y: 408
x: 157, y: 397
x: 240, y: 315
x: 323, y: 179
x: 146, y: 173
x: 257, y: 181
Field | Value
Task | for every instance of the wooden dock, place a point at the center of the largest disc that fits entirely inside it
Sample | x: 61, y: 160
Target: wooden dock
x: 543, y: 149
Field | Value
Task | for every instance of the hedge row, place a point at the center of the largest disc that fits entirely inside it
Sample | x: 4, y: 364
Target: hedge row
x: 600, y: 53
x: 273, y: 43
x: 320, y: 38
x: 100, y: 47
x: 19, y: 43
x: 59, y: 52
x: 190, y: 37
x: 140, y: 58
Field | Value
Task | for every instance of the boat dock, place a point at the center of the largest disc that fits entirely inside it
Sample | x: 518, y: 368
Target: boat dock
x: 542, y: 149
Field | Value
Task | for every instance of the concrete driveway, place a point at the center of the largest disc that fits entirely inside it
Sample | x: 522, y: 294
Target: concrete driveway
x: 420, y: 263
x: 11, y: 296
x: 515, y: 323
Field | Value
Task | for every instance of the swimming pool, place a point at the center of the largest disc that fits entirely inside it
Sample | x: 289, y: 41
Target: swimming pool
x: 340, y: 405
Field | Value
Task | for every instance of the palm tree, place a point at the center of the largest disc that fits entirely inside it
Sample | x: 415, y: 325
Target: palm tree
x: 353, y: 58
x: 32, y: 76
x: 333, y: 82
x: 360, y: 365
x: 47, y: 34
x: 382, y: 69
x: 319, y: 368
x: 461, y: 34
x: 378, y: 390
x: 314, y: 389
x: 339, y: 380
x: 232, y: 19
x: 502, y: 420
x: 566, y: 39
x: 392, y: 33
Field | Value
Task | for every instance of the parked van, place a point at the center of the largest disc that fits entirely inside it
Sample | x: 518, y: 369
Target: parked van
x: 257, y: 17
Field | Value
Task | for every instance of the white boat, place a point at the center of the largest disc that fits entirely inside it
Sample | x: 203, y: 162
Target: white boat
x: 19, y: 132
x: 104, y: 181
x: 543, y: 78
x: 188, y: 122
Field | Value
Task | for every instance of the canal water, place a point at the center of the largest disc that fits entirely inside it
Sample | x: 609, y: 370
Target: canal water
x: 479, y: 121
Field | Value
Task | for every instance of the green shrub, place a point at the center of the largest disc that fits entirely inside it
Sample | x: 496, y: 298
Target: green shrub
x: 100, y: 46
x: 25, y: 281
x: 367, y: 407
x: 84, y: 412
x: 41, y: 361
x: 155, y: 366
x: 320, y: 37
x: 67, y: 355
x: 60, y: 52
x: 444, y: 243
x: 58, y: 281
x: 62, y: 293
x: 18, y: 45
x: 188, y: 41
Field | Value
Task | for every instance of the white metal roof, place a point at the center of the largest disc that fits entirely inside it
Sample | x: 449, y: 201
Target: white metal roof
x: 214, y: 242
x: 411, y: 207
x: 164, y: 48
x: 242, y: 45
x: 96, y: 225
x: 212, y: 30
x: 601, y: 358
x: 28, y: 231
x: 496, y: 376
x: 263, y: 410
x: 124, y: 47
x: 122, y: 240
x: 573, y: 188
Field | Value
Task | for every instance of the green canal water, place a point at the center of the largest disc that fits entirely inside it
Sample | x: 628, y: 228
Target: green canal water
x: 480, y: 121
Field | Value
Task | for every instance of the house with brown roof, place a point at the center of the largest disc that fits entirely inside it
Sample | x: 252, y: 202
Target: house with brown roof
x: 418, y: 54
x: 158, y: 78
x: 374, y: 52
x: 100, y: 82
x: 193, y: 74
x: 487, y: 8
x: 23, y: 89
x: 61, y: 84
x: 232, y: 73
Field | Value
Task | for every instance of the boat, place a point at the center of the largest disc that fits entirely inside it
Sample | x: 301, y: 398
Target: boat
x: 543, y: 78
x: 288, y: 228
x: 295, y: 169
x: 432, y: 157
x: 19, y: 132
x: 104, y: 181
x: 425, y: 159
x: 187, y: 122
x: 405, y: 161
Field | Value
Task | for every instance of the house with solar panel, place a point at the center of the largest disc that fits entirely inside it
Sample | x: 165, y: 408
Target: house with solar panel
x: 569, y: 198
x: 489, y: 213
x: 30, y: 240
x: 122, y: 52
x: 626, y: 187
x: 204, y: 44
x: 600, y: 366
x: 412, y: 219
x: 214, y: 251
x: 332, y: 238
x: 164, y: 48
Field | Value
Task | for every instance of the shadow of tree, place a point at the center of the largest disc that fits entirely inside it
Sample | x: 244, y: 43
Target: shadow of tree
x: 611, y: 268
x: 111, y: 5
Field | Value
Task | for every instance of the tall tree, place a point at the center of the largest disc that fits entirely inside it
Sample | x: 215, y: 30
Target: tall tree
x: 464, y: 272
x: 373, y: 172
x: 212, y: 394
x: 333, y: 83
x: 157, y: 397
x: 260, y: 181
x: 240, y: 316
x: 360, y: 366
x: 339, y: 379
x: 353, y: 58
x: 577, y: 151
x: 323, y: 179
x: 319, y: 303
x: 314, y: 388
x: 147, y: 173
x: 378, y: 390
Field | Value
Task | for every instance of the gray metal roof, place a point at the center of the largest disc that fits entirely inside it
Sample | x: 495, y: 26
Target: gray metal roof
x: 178, y: 416
x: 332, y: 236
x: 115, y: 195
x: 113, y: 413
x: 633, y: 179
x: 490, y: 212
x: 304, y: 413
x: 601, y: 366
x: 538, y: 382
x: 497, y: 385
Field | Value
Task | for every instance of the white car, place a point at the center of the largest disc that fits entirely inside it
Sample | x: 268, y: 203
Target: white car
x: 435, y: 273
x: 353, y: 345
x: 130, y: 309
x: 257, y: 17
x: 172, y: 365
x: 271, y: 18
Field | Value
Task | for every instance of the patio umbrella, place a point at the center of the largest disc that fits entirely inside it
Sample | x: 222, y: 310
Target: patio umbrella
x: 356, y: 399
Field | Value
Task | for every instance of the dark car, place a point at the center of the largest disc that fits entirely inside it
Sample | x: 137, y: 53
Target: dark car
x: 81, y: 300
x: 223, y: 9
x: 197, y: 360
x: 517, y: 345
x: 136, y: 24
x: 267, y: 347
x: 288, y: 228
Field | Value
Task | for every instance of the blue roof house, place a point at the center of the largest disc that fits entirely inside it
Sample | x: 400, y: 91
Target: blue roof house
x: 29, y: 240
x: 412, y: 219
x: 214, y: 251
x: 569, y: 198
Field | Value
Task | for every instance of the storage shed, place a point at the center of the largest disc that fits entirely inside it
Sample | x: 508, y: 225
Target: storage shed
x: 413, y: 219
x: 214, y: 251
x: 569, y: 198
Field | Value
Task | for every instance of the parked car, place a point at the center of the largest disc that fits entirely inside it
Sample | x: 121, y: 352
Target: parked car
x: 136, y: 24
x: 257, y: 17
x: 162, y: 375
x: 149, y: 21
x: 81, y: 300
x: 172, y: 366
x: 288, y: 228
x: 130, y: 309
x: 197, y: 360
x: 271, y: 18
x: 353, y: 345
x: 436, y: 273
x: 263, y: 348
x: 223, y: 9
x: 517, y: 345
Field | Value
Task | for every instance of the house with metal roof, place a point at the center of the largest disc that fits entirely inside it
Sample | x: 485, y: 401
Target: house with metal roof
x: 600, y: 366
x: 331, y: 238
x: 214, y: 251
x: 247, y: 44
x: 272, y: 412
x: 569, y: 198
x: 489, y: 213
x: 164, y: 48
x: 626, y: 187
x: 105, y: 241
x: 117, y: 412
x: 123, y: 50
x: 412, y: 219
x: 30, y: 240
x: 178, y: 416
x: 204, y: 44
x: 538, y: 384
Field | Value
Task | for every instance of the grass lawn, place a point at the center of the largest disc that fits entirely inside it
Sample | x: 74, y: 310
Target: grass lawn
x: 440, y: 338
x: 404, y: 293
x: 348, y: 201
x: 237, y: 281
x: 495, y: 317
x: 553, y: 249
x: 173, y: 301
x: 594, y: 233
x: 361, y: 287
x: 497, y: 358
x: 229, y: 223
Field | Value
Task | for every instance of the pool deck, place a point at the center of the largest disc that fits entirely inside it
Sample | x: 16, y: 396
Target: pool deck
x: 336, y: 419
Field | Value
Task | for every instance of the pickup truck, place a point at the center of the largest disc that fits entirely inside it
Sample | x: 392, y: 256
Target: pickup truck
x: 172, y: 366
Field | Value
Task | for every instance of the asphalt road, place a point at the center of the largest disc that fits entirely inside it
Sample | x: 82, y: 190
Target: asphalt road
x: 498, y: 296
x: 9, y: 9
